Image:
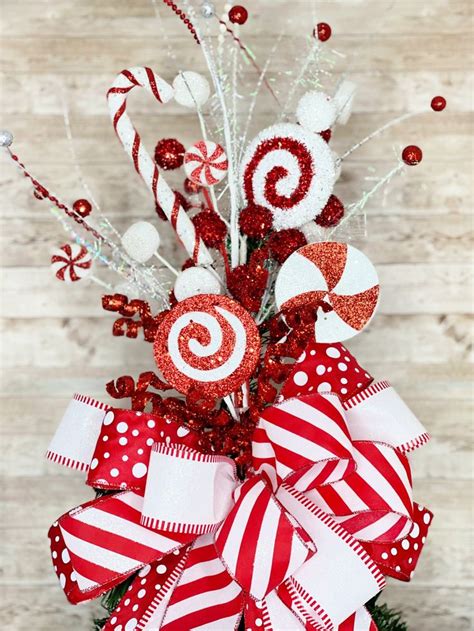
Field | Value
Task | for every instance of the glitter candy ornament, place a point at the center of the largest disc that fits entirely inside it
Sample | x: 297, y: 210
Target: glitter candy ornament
x: 336, y: 274
x: 141, y: 241
x: 316, y: 111
x: 191, y: 89
x: 207, y: 344
x: 290, y: 171
x: 71, y: 262
x: 195, y: 281
x: 205, y: 163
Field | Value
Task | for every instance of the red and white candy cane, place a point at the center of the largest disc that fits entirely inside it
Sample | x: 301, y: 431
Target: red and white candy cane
x: 142, y: 161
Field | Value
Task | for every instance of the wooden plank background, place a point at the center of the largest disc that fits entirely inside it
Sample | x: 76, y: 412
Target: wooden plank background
x: 56, y: 340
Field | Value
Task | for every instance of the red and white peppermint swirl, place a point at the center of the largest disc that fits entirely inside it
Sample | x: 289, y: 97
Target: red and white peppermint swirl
x: 142, y: 161
x: 334, y: 273
x: 205, y: 163
x: 71, y: 262
x: 290, y: 171
x: 208, y: 344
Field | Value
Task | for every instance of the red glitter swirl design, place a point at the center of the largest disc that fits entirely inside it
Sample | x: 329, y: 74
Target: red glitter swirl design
x: 208, y: 344
x: 277, y: 173
x: 71, y: 262
x: 197, y: 332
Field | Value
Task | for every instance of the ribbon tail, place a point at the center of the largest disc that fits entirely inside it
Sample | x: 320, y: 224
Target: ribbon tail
x: 205, y: 597
x: 144, y: 603
x: 346, y: 584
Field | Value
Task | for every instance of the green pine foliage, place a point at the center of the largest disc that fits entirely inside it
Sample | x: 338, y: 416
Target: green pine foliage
x: 110, y: 601
x: 385, y: 618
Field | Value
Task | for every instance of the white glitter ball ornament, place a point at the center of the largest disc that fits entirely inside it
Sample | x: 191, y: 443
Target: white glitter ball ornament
x: 191, y: 89
x: 316, y: 111
x: 208, y: 10
x: 141, y: 241
x: 195, y: 281
x: 6, y: 138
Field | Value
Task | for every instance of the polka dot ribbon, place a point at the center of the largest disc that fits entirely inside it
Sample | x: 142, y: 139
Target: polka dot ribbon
x: 329, y: 507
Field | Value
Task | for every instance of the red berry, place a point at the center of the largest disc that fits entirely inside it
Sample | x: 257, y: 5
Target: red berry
x: 438, y: 103
x: 238, y: 14
x: 326, y: 135
x: 255, y: 221
x: 412, y: 155
x: 322, y: 31
x: 82, y: 207
x: 192, y: 188
x: 285, y: 242
x: 169, y: 154
x: 210, y: 228
x: 331, y: 214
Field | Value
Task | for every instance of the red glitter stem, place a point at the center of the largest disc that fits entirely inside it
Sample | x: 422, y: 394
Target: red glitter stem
x: 47, y: 195
x: 183, y: 17
x: 208, y: 199
x: 224, y: 255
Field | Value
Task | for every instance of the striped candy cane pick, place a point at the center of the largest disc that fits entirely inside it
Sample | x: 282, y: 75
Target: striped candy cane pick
x: 143, y: 163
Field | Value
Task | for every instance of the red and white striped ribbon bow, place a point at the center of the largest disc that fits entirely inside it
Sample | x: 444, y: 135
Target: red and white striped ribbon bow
x: 301, y: 544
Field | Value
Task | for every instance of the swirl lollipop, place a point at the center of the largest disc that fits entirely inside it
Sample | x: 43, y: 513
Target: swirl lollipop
x: 290, y: 171
x: 337, y: 274
x: 71, y: 262
x: 207, y: 343
x: 205, y: 163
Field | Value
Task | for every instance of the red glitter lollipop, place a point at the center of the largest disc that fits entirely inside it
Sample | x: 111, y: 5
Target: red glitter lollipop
x: 209, y: 344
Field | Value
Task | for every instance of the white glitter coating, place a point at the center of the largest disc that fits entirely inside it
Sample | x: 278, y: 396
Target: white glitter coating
x: 321, y: 184
x: 316, y: 111
x: 191, y: 89
x: 141, y: 241
x: 195, y: 281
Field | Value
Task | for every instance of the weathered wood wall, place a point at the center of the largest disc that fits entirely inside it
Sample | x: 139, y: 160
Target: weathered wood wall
x: 57, y: 340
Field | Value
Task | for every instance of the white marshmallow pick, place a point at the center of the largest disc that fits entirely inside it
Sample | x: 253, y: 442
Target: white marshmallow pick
x: 196, y: 281
x: 141, y: 241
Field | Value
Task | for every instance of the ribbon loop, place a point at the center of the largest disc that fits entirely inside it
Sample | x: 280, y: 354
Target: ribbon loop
x: 379, y: 414
x: 187, y: 491
x: 305, y: 440
x: 375, y: 502
x: 74, y: 441
x: 350, y: 577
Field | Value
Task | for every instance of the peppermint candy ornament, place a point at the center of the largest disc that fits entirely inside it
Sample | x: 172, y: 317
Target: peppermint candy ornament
x: 205, y: 163
x: 207, y: 343
x: 290, y: 171
x: 334, y: 273
x: 71, y: 262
